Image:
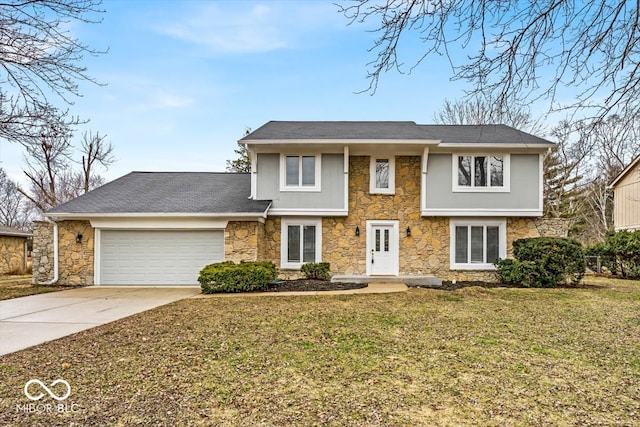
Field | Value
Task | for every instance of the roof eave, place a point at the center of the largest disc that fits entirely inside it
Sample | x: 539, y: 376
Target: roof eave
x: 624, y: 172
x: 343, y: 141
x: 85, y: 215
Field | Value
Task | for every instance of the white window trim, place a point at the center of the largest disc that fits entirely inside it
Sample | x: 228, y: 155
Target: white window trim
x: 286, y: 222
x: 392, y: 176
x: 506, y: 175
x: 502, y: 241
x: 300, y: 187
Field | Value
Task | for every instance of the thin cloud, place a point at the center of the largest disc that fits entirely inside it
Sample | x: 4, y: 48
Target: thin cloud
x: 222, y: 32
x: 251, y: 27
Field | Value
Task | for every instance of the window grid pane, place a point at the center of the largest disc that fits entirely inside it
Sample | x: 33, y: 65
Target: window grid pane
x: 293, y: 243
x: 377, y: 240
x: 293, y: 170
x: 497, y: 171
x: 461, y: 245
x: 382, y: 173
x: 309, y: 243
x: 480, y: 171
x: 477, y: 245
x: 493, y: 244
x: 308, y: 171
x: 464, y: 170
x: 386, y: 240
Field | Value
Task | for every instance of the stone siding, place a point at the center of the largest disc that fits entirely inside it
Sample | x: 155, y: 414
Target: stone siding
x: 426, y: 251
x: 42, y: 253
x: 13, y: 254
x: 75, y: 260
x: 242, y: 241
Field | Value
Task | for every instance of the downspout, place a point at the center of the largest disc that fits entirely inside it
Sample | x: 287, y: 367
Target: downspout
x: 55, y: 254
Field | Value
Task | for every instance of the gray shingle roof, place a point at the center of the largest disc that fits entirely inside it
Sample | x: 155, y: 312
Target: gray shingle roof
x: 448, y: 134
x: 169, y: 192
x: 10, y: 231
x: 336, y: 130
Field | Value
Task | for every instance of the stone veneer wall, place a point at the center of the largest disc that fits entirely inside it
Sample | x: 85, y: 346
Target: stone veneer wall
x: 13, y: 254
x: 42, y: 253
x: 75, y: 260
x: 425, y: 252
x: 243, y: 241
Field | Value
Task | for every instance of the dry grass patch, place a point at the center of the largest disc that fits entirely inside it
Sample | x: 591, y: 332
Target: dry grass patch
x: 20, y: 286
x: 425, y: 357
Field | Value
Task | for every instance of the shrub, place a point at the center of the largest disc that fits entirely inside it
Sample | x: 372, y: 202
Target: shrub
x: 316, y: 270
x: 244, y: 277
x: 620, y: 253
x: 543, y: 262
x: 514, y: 272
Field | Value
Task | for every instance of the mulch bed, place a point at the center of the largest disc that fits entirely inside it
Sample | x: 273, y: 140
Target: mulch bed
x: 449, y: 286
x: 313, y: 285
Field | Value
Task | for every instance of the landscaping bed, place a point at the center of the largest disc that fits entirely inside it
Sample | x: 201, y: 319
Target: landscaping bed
x: 310, y: 285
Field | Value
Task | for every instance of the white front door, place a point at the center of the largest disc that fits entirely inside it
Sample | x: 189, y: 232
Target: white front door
x: 382, y: 248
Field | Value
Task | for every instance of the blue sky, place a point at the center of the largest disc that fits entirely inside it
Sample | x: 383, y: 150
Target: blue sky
x: 184, y: 79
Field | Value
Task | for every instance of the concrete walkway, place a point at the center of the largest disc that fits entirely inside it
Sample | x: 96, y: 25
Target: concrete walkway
x: 32, y: 320
x: 372, y: 288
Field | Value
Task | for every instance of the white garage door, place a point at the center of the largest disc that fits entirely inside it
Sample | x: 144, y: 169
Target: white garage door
x: 133, y: 257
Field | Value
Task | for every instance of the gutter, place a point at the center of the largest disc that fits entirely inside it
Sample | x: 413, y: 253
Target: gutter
x: 55, y: 255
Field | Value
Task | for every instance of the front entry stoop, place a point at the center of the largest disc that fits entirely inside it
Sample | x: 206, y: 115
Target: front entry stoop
x: 412, y: 281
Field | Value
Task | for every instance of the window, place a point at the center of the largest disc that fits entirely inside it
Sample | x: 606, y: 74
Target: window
x: 382, y: 171
x: 300, y: 173
x: 301, y: 242
x: 481, y: 172
x: 477, y: 245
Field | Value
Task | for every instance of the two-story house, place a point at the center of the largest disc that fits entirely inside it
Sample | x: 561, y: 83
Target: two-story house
x: 374, y: 199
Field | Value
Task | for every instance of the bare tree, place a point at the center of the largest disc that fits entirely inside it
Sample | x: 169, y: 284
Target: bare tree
x: 52, y: 178
x: 96, y: 150
x: 14, y: 211
x: 565, y: 167
x: 481, y: 110
x: 40, y: 58
x: 516, y: 50
x: 46, y: 161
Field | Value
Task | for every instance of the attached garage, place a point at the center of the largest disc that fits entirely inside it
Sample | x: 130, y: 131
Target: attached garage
x: 151, y: 228
x: 157, y: 257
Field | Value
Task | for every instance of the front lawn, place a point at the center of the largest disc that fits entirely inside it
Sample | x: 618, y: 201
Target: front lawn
x: 20, y: 286
x: 473, y: 356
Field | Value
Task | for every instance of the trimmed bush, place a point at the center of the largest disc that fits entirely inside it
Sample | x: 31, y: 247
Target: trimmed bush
x: 244, y: 277
x: 514, y: 272
x: 543, y: 262
x: 316, y: 270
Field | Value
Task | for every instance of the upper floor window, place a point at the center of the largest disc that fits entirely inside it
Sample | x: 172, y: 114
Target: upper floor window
x: 382, y: 171
x: 299, y: 173
x: 481, y: 172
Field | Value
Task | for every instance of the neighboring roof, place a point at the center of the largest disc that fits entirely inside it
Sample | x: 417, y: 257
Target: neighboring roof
x: 626, y: 170
x: 13, y: 232
x: 167, y: 193
x: 389, y: 131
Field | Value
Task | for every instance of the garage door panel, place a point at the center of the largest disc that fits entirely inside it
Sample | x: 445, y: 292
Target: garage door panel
x: 150, y: 257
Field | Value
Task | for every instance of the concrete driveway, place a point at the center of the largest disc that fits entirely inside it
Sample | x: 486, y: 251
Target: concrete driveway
x: 32, y: 320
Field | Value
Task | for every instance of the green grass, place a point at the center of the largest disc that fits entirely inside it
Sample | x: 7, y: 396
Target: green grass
x: 426, y: 357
